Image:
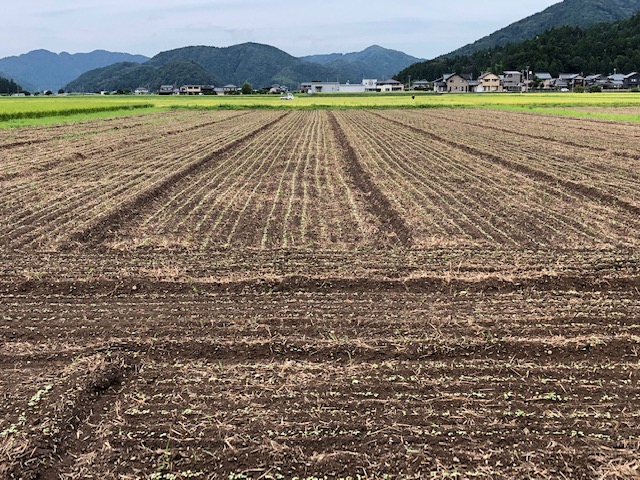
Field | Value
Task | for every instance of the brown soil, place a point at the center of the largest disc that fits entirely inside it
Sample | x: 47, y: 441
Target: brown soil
x: 347, y: 294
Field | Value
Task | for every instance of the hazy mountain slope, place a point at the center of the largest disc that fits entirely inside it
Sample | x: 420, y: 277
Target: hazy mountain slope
x: 44, y: 70
x: 260, y: 65
x: 579, y: 13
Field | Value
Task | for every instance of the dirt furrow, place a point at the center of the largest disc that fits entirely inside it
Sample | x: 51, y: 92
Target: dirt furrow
x: 392, y: 223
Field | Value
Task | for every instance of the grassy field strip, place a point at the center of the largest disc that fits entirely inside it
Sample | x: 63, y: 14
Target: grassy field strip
x: 570, y: 111
x: 4, y: 116
x: 44, y: 110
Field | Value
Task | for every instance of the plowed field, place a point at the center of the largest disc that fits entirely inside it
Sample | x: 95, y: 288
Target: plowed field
x: 310, y: 294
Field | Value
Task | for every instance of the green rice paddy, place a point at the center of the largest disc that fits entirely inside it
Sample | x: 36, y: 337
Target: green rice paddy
x: 22, y: 111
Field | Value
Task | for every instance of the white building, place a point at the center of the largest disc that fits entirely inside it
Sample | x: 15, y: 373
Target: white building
x: 352, y: 88
x: 370, y: 84
x: 367, y: 85
x: 390, y: 86
x: 320, y: 87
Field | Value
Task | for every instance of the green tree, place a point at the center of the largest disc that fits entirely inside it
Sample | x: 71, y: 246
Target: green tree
x: 246, y: 88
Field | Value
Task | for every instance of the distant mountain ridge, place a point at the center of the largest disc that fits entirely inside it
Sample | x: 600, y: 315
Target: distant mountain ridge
x: 261, y: 65
x: 45, y: 70
x: 575, y: 13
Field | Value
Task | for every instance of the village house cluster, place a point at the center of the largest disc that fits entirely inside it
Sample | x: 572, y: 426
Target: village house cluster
x: 514, y: 81
x: 206, y: 90
x: 509, y: 81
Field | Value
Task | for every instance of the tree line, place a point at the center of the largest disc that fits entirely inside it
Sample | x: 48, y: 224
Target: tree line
x: 9, y: 86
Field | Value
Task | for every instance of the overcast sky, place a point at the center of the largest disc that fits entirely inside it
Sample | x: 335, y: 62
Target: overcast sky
x: 423, y: 28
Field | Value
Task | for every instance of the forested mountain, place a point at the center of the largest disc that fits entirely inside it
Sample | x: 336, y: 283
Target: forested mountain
x: 597, y: 49
x: 130, y: 76
x: 9, y: 86
x: 260, y: 65
x: 576, y: 13
x: 374, y: 61
x: 44, y: 70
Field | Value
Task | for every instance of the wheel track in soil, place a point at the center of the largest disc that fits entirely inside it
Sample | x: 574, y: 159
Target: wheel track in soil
x: 392, y: 223
x: 591, y: 192
x: 104, y: 227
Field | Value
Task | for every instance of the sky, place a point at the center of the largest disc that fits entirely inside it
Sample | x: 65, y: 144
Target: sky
x: 422, y: 28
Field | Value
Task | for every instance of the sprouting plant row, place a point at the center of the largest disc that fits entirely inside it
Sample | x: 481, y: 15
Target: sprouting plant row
x: 551, y: 213
x: 211, y: 201
x: 79, y: 193
x: 76, y: 146
x: 407, y: 157
x: 490, y: 202
x: 590, y: 159
x: 101, y: 182
x: 407, y: 196
x: 281, y: 188
x: 605, y: 204
x: 620, y: 138
x: 611, y: 174
x: 578, y: 163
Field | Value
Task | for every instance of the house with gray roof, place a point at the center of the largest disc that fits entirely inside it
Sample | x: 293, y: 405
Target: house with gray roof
x: 631, y: 80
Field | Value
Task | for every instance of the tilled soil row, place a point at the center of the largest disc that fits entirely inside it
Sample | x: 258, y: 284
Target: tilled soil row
x: 102, y: 227
x: 309, y: 385
x: 52, y: 421
x: 378, y: 203
x: 538, y: 174
x: 304, y: 284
